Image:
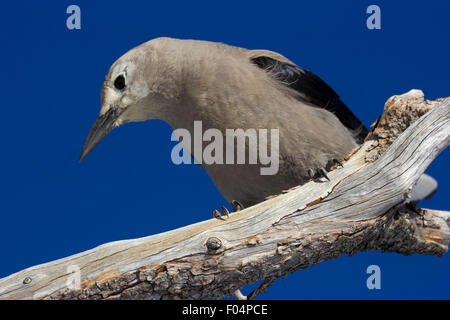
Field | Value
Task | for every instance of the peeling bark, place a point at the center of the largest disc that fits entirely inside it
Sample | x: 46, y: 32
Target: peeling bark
x: 362, y: 208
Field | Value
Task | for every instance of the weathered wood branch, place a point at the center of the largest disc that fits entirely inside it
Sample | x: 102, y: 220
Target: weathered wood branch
x: 361, y: 208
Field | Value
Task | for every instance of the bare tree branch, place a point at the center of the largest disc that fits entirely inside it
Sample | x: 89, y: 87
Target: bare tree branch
x: 361, y: 208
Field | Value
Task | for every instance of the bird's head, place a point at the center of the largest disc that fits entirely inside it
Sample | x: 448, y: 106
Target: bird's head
x: 140, y: 85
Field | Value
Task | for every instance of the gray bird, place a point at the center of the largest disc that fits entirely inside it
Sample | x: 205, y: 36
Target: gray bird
x: 181, y: 81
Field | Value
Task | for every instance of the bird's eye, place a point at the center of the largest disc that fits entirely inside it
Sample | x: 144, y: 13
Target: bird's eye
x: 119, y: 83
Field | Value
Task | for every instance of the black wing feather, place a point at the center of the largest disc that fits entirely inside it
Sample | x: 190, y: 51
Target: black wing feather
x: 314, y: 89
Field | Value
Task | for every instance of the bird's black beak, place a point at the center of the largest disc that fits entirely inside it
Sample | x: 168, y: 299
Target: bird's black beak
x: 102, y: 126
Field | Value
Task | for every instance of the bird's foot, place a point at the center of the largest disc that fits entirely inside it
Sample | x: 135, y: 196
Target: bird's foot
x: 318, y: 173
x: 322, y: 171
x: 224, y: 213
x: 236, y: 205
x: 333, y: 164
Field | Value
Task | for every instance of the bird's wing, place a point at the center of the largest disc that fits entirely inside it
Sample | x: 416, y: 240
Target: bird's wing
x: 309, y: 86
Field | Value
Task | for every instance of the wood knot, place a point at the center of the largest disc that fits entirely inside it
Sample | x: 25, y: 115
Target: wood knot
x: 213, y: 244
x: 27, y: 280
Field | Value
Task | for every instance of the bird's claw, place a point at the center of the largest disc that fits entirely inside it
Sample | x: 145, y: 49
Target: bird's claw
x: 333, y: 162
x: 320, y: 172
x: 223, y: 213
x: 338, y: 162
x: 311, y: 173
x: 216, y: 214
x: 323, y: 173
x: 236, y: 205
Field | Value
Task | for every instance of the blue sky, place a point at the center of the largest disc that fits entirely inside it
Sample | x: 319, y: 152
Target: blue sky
x: 52, y: 206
